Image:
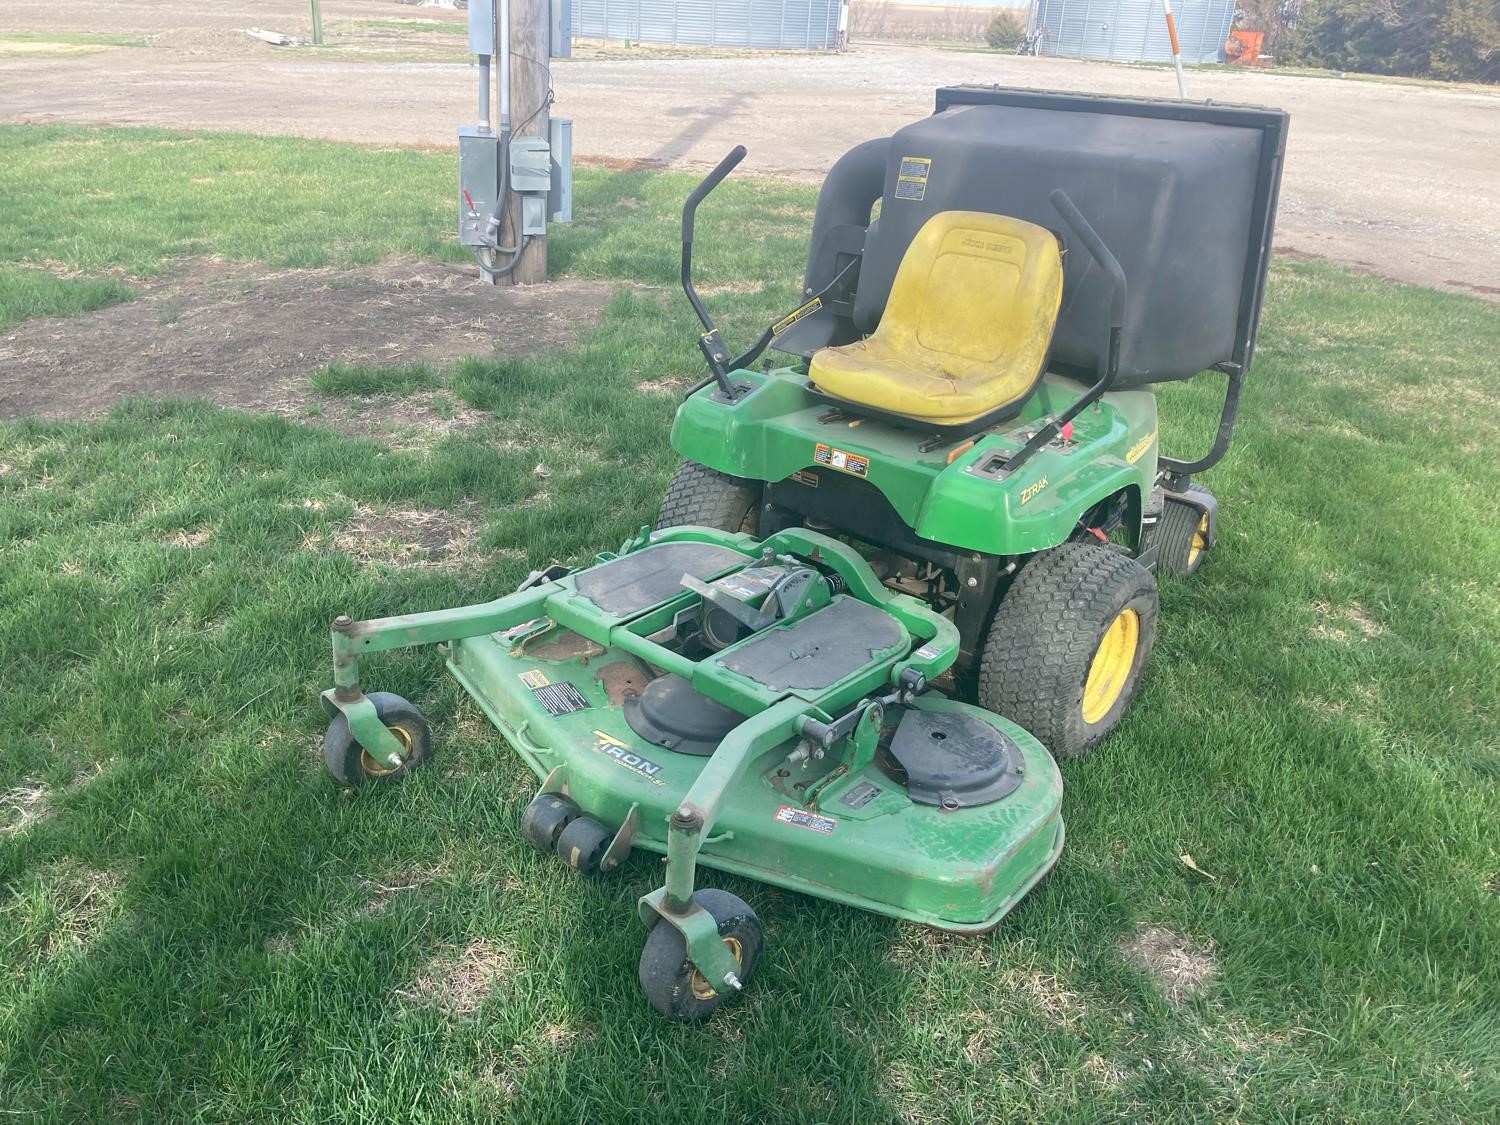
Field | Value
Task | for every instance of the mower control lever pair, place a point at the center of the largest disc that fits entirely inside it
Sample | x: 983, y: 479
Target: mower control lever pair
x: 1089, y: 237
x: 710, y: 342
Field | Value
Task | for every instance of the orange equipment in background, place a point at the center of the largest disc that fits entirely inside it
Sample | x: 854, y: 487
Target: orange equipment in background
x: 1242, y: 48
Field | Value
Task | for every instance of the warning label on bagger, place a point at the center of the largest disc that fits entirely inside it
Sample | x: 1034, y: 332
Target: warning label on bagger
x: 911, y: 182
x: 842, y: 460
x: 795, y: 315
x: 560, y: 699
x: 790, y: 814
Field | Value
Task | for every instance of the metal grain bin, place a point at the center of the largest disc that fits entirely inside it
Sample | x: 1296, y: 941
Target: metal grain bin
x: 787, y: 24
x: 1131, y: 30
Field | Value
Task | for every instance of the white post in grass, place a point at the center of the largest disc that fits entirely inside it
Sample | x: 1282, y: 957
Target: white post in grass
x: 1166, y: 7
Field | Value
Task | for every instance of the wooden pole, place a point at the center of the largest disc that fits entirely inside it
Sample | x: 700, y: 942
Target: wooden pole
x: 530, y: 24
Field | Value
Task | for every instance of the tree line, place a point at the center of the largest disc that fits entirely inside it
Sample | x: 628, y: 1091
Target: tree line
x: 1457, y: 40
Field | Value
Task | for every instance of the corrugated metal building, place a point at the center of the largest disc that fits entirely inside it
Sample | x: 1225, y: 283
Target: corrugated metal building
x: 1131, y: 30
x: 795, y: 24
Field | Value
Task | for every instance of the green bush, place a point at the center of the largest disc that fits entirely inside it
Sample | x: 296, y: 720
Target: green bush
x: 1006, y: 31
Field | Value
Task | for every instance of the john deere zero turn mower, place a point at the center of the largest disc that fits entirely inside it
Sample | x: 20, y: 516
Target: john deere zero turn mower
x: 954, y: 478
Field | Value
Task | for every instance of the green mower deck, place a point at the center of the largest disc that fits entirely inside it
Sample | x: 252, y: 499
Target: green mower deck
x: 760, y: 707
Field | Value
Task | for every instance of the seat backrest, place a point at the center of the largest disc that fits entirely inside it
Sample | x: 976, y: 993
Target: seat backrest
x: 979, y: 292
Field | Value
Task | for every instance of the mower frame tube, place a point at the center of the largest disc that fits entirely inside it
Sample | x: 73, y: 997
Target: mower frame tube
x: 689, y: 827
x: 351, y: 638
x: 1179, y: 473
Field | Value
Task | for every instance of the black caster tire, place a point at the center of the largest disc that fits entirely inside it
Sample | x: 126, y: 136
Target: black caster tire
x: 701, y: 497
x: 545, y: 818
x: 1070, y: 640
x: 1182, y: 536
x: 349, y: 763
x: 673, y: 983
x: 582, y: 844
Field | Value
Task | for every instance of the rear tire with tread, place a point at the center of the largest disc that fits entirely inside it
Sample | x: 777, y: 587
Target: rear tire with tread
x: 1041, y: 647
x: 702, y: 497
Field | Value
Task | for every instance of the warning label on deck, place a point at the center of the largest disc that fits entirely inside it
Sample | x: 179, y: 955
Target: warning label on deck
x: 560, y: 699
x: 842, y: 460
x: 911, y: 182
x: 535, y: 678
x: 790, y: 814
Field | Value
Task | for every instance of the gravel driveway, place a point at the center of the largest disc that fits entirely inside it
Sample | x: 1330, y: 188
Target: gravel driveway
x: 1400, y: 179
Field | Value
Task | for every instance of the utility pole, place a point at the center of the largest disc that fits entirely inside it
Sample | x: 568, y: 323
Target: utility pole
x: 317, y: 23
x: 530, y: 23
x: 515, y: 170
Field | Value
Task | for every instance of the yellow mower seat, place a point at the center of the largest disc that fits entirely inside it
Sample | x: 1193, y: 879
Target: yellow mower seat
x: 966, y: 328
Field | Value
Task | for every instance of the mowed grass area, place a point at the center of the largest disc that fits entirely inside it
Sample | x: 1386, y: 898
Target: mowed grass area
x: 196, y: 925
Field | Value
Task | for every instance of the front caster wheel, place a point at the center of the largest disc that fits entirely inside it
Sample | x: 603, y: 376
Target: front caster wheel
x: 673, y: 983
x: 352, y: 766
x: 1184, y: 534
x: 545, y: 818
x: 582, y: 844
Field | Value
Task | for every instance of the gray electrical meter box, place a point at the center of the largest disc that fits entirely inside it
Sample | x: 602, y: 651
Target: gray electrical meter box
x: 560, y: 199
x: 530, y: 164
x: 531, y: 178
x: 478, y: 183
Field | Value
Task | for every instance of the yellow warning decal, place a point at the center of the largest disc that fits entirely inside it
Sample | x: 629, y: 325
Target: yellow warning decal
x: 842, y: 460
x: 1136, y: 451
x: 795, y: 315
x: 535, y: 678
x: 911, y: 181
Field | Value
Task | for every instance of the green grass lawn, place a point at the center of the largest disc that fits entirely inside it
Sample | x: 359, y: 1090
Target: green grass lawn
x: 196, y: 925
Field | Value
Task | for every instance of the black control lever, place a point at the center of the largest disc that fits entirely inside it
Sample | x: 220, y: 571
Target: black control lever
x: 1091, y: 241
x: 710, y: 342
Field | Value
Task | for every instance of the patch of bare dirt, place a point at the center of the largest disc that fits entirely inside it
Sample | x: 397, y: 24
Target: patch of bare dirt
x: 21, y: 806
x: 670, y: 384
x: 1336, y: 624
x: 460, y: 983
x: 1180, y: 968
x: 78, y: 900
x: 247, y: 337
x: 385, y: 891
x: 189, y: 540
x: 407, y: 537
x: 413, y: 424
x: 1103, y: 1071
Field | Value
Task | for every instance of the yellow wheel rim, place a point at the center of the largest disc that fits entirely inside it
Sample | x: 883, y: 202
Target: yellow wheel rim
x: 702, y: 990
x: 1110, y: 669
x: 373, y: 767
x: 1199, y: 543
